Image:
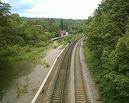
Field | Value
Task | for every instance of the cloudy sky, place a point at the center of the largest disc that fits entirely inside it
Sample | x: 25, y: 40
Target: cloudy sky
x: 75, y: 9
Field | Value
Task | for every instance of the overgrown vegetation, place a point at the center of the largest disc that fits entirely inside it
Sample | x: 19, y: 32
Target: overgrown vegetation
x: 107, y: 49
x: 24, y: 40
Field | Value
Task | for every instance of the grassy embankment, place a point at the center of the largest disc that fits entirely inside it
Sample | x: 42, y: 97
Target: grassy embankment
x: 19, y: 61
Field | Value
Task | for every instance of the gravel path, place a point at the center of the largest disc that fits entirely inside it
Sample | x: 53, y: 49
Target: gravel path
x: 24, y: 88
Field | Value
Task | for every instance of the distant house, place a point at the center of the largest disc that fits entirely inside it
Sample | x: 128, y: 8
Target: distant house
x: 63, y: 33
x: 67, y: 33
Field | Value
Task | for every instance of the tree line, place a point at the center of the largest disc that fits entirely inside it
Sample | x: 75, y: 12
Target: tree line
x: 107, y: 49
x: 27, y: 34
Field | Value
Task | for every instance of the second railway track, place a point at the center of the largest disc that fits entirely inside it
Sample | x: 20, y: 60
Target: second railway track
x: 80, y: 91
x: 57, y: 87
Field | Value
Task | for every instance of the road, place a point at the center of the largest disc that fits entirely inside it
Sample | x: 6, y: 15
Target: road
x: 65, y: 83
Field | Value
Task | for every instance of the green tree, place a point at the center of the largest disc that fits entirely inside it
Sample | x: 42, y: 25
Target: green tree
x: 107, y: 37
x: 4, y: 13
x: 61, y: 24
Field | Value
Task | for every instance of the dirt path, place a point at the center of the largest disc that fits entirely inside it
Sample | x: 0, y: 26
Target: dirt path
x: 23, y: 89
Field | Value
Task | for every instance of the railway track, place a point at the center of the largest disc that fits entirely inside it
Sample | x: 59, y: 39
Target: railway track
x: 80, y: 92
x: 57, y: 87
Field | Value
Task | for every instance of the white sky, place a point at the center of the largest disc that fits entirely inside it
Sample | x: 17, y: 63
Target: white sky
x: 75, y: 9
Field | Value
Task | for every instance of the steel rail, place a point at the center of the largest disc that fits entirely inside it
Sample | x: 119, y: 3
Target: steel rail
x: 58, y: 92
x: 80, y: 93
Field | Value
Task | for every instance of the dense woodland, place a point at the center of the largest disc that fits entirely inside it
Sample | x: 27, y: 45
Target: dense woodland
x: 107, y: 49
